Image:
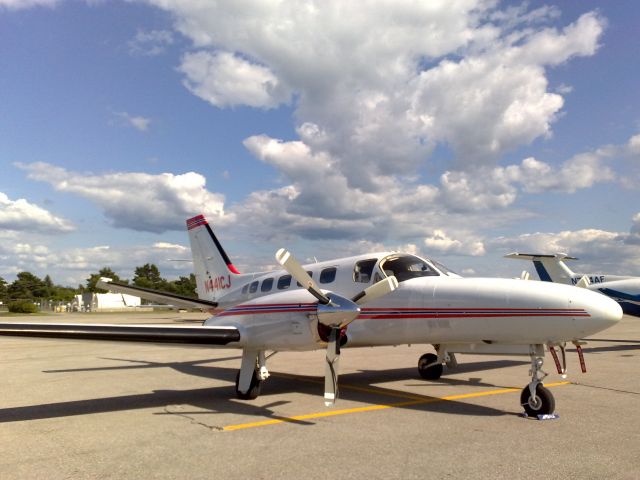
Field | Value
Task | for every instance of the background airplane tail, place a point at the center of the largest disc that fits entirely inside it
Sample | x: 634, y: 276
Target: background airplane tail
x: 550, y: 268
x: 215, y: 274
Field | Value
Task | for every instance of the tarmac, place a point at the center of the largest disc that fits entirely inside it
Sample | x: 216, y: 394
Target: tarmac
x: 78, y: 409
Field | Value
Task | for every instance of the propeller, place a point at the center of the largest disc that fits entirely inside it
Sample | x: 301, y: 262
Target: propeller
x: 291, y: 265
x: 335, y: 312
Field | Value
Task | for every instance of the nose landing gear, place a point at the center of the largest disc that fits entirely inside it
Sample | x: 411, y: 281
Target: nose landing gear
x: 535, y: 398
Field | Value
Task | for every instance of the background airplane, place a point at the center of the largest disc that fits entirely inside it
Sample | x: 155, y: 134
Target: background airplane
x: 552, y: 268
x: 385, y: 298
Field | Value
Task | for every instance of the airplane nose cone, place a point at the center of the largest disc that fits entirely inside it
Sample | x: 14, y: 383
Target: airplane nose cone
x: 603, y: 312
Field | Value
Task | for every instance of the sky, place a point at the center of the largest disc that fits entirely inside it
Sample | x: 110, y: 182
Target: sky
x: 460, y: 130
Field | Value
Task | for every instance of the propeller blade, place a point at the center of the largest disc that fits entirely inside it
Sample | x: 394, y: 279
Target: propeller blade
x: 376, y: 290
x: 331, y: 368
x: 291, y: 265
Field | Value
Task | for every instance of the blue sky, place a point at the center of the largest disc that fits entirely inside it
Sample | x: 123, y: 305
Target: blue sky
x: 458, y: 130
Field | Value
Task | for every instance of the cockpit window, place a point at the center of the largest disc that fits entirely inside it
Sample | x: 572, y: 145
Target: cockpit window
x: 405, y: 267
x: 363, y: 269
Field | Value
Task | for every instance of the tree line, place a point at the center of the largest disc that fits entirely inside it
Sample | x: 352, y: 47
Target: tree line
x: 28, y: 286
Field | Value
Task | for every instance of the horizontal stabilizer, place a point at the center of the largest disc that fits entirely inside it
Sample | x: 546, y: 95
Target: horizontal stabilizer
x: 155, y: 295
x: 539, y: 256
x: 199, y: 335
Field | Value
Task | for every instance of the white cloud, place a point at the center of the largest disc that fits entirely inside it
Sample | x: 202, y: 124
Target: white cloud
x: 170, y: 246
x: 442, y: 243
x: 136, y: 121
x: 376, y: 87
x: 150, y: 43
x: 610, y: 252
x: 72, y: 266
x: 634, y: 144
x: 21, y: 215
x: 19, y: 4
x: 381, y: 83
x: 138, y: 201
x: 224, y: 79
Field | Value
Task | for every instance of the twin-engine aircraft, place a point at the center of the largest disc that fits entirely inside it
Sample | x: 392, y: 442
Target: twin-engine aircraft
x: 552, y: 268
x: 384, y: 298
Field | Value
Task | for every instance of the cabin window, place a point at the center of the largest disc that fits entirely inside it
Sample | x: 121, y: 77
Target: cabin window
x: 284, y: 282
x: 253, y: 287
x: 328, y: 275
x: 267, y: 285
x: 245, y: 289
x: 308, y: 273
x: 363, y: 269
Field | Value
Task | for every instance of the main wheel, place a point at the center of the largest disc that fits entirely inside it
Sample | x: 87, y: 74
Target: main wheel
x: 434, y: 372
x: 542, y: 403
x: 254, y: 387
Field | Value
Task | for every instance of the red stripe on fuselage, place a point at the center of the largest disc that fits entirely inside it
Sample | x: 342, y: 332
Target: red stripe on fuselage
x: 404, y: 313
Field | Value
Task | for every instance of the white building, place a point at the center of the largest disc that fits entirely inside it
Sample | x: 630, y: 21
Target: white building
x: 95, y: 302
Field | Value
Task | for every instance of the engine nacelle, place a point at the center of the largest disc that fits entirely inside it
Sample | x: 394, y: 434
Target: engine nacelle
x: 288, y: 322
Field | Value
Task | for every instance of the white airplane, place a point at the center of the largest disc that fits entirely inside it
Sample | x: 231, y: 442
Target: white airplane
x: 385, y: 298
x: 552, y: 268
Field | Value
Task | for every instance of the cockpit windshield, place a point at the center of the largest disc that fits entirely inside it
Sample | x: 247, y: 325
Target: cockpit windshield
x: 405, y: 267
x: 443, y: 269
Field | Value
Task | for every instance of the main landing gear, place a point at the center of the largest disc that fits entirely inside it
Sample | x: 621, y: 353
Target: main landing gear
x: 429, y: 368
x: 253, y: 371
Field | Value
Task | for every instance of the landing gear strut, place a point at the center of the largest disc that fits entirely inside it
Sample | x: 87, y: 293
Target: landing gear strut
x: 535, y: 398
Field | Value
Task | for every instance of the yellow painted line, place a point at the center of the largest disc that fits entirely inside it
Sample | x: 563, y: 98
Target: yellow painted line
x: 371, y: 408
x: 374, y: 390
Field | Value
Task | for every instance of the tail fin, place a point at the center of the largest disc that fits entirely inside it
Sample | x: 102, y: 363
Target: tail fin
x: 214, y: 271
x: 550, y: 268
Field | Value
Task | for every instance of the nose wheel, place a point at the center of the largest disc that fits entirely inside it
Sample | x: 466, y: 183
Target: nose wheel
x: 542, y: 403
x: 535, y: 398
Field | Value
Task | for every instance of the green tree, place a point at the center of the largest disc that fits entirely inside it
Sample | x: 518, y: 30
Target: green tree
x: 3, y: 290
x: 148, y: 276
x: 27, y: 286
x: 184, y: 286
x: 94, y: 277
x: 63, y: 294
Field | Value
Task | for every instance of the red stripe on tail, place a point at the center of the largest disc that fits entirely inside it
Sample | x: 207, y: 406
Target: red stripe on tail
x: 196, y: 222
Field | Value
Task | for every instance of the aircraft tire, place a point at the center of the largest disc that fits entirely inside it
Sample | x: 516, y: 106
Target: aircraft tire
x: 434, y: 372
x: 254, y: 388
x: 542, y: 404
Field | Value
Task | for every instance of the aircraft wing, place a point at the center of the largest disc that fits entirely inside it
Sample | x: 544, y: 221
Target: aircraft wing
x: 199, y: 335
x: 155, y: 295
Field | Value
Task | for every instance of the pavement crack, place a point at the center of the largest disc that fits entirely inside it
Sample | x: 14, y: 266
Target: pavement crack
x: 193, y: 421
x: 605, y: 388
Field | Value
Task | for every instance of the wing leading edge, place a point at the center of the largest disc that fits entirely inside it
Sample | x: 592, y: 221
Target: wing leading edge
x: 199, y: 335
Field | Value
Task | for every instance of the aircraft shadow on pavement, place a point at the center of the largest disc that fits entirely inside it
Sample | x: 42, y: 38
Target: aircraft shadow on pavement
x: 355, y: 387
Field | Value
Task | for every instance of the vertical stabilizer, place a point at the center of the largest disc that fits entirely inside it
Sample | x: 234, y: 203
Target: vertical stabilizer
x: 550, y: 268
x: 215, y: 274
